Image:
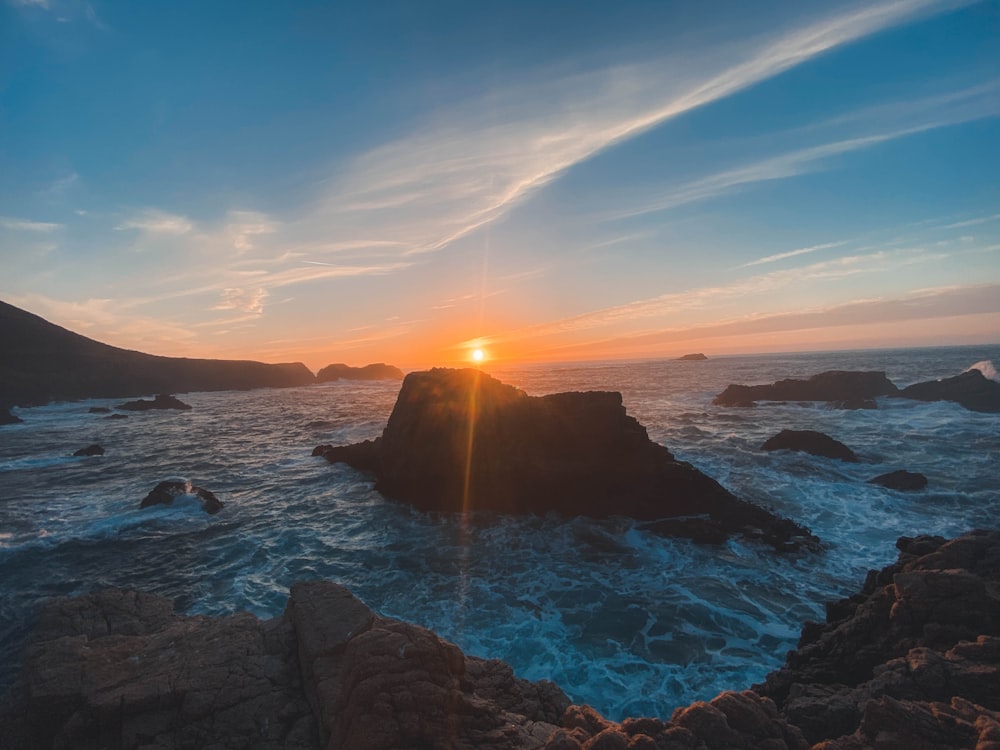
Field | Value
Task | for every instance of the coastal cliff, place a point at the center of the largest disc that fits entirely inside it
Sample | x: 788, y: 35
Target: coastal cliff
x: 912, y: 660
x: 43, y: 362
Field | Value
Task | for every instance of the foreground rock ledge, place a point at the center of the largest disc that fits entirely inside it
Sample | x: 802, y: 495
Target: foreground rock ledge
x: 461, y: 440
x: 912, y: 661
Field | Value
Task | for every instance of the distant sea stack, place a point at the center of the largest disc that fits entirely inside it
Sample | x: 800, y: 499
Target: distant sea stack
x: 692, y: 357
x: 461, y: 440
x: 377, y: 371
x: 43, y: 362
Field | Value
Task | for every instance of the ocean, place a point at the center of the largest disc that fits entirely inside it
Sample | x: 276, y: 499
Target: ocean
x: 624, y: 620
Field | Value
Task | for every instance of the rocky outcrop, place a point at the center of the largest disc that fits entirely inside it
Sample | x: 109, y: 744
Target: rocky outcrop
x: 378, y: 371
x: 162, y: 401
x: 905, y: 481
x: 809, y: 441
x: 7, y: 418
x: 43, y: 362
x: 166, y: 492
x: 692, y: 357
x: 851, y: 389
x: 460, y: 440
x: 91, y: 450
x: 99, y: 410
x: 971, y: 389
x: 119, y: 669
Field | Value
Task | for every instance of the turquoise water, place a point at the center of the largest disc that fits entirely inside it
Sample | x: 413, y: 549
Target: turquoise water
x: 627, y: 621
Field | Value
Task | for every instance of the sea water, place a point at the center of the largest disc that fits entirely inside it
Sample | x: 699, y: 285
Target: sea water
x: 625, y: 620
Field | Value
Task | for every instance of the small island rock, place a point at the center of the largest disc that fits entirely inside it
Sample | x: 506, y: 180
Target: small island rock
x: 971, y: 389
x: 905, y: 481
x: 162, y: 401
x: 460, y: 440
x: 91, y: 450
x: 165, y: 492
x: 809, y: 441
x: 377, y: 371
x: 692, y: 357
x: 846, y: 386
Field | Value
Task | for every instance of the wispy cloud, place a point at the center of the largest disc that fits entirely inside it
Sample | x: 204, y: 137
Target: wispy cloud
x: 157, y: 222
x: 245, y: 300
x: 26, y: 225
x: 792, y: 253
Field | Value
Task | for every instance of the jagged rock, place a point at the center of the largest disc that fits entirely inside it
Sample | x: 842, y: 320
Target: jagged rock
x: 853, y: 388
x: 905, y: 481
x: 7, y: 418
x: 165, y: 492
x: 692, y: 357
x: 378, y: 371
x: 971, y: 389
x: 91, y: 450
x: 162, y: 401
x: 460, y: 440
x: 809, y: 441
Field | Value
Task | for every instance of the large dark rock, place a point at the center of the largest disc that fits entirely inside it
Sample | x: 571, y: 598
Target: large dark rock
x: 971, y: 389
x: 166, y: 492
x: 91, y: 450
x: 378, y: 371
x: 162, y: 401
x: 119, y: 669
x: 7, y: 418
x: 809, y: 441
x: 460, y: 440
x: 854, y: 389
x: 43, y: 362
x: 906, y: 481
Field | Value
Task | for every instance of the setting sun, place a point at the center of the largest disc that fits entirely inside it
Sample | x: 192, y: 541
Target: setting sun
x: 478, y: 355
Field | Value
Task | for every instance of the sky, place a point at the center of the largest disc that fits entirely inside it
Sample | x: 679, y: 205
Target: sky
x: 406, y: 182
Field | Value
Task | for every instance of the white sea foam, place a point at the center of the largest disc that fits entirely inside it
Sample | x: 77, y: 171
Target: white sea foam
x: 987, y: 369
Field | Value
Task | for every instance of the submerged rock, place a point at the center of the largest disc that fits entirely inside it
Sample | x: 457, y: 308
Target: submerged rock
x: 900, y: 480
x: 165, y: 492
x: 809, y: 441
x: 91, y: 450
x: 971, y: 389
x: 162, y: 401
x: 377, y: 371
x: 460, y: 440
x: 854, y: 389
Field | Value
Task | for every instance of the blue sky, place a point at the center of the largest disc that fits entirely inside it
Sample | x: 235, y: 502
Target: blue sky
x: 547, y: 180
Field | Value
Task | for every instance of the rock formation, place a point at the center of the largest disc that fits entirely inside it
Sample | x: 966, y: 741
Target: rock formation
x: 166, y: 492
x: 809, y: 441
x: 99, y: 410
x: 461, y: 440
x: 91, y: 450
x: 854, y: 389
x: 378, y: 371
x: 905, y: 481
x: 162, y: 401
x: 971, y: 389
x: 43, y: 362
x: 911, y: 661
x: 7, y: 418
x: 692, y: 357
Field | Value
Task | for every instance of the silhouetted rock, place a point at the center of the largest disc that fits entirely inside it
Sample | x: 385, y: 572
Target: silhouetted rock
x: 971, y: 389
x: 43, y: 362
x: 162, y: 401
x: 99, y: 410
x: 7, y: 418
x: 844, y: 386
x: 692, y: 357
x: 378, y: 371
x: 809, y: 441
x: 900, y: 480
x: 91, y: 450
x: 166, y: 492
x: 460, y: 440
x: 117, y: 416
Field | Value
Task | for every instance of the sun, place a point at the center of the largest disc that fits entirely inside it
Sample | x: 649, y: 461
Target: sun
x: 478, y: 355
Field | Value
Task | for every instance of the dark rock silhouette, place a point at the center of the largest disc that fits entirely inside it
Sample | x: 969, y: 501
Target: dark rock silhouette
x: 7, y: 418
x: 117, y: 416
x: 809, y: 441
x: 378, y: 371
x: 911, y: 661
x: 900, y: 480
x: 461, y: 440
x: 692, y: 357
x: 971, y: 389
x: 848, y: 387
x: 99, y: 410
x: 43, y: 362
x: 91, y: 450
x: 162, y: 401
x: 165, y: 492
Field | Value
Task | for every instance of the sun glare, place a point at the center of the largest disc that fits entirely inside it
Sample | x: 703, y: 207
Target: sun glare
x: 478, y: 355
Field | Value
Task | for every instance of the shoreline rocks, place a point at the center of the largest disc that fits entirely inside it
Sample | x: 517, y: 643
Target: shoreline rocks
x: 854, y: 389
x: 460, y: 440
x: 166, y: 492
x: 161, y: 401
x: 698, y: 357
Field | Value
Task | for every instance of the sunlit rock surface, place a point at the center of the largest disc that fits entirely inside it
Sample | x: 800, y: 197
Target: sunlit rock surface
x: 460, y: 440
